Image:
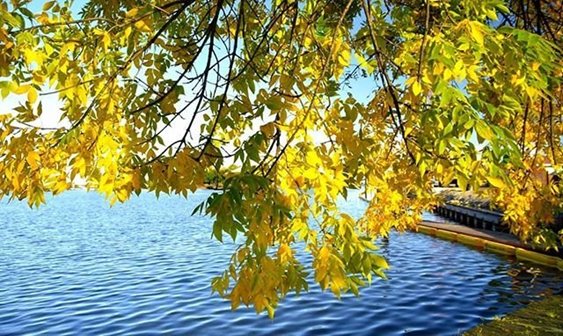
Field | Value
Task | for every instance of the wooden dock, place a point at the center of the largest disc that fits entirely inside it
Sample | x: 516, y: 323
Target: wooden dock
x: 482, y: 229
x: 497, y: 242
x: 499, y: 237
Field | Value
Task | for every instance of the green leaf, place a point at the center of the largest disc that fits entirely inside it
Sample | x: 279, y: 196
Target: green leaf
x: 218, y: 230
x: 48, y: 5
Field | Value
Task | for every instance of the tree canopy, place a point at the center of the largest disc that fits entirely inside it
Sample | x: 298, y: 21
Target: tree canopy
x: 307, y: 99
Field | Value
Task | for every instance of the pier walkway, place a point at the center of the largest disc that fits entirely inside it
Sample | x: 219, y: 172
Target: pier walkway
x: 480, y: 237
x: 499, y: 237
x: 493, y: 241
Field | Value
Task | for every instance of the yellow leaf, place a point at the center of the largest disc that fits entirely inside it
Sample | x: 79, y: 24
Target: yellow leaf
x: 496, y: 182
x: 476, y: 32
x: 324, y: 253
x: 142, y: 26
x: 438, y: 68
x: 492, y: 14
x: 127, y: 32
x: 106, y: 40
x: 416, y: 88
x: 459, y: 70
x: 132, y: 12
x: 22, y: 89
x: 532, y: 92
x: 33, y: 160
x: 284, y: 253
x: 33, y: 57
x: 380, y: 261
x: 70, y: 46
x: 344, y: 57
x: 472, y: 74
x: 310, y: 174
x: 448, y: 74
x: 483, y: 130
x: 81, y: 166
x: 268, y: 129
x: 313, y: 159
x: 122, y: 195
x: 270, y: 311
x: 32, y: 95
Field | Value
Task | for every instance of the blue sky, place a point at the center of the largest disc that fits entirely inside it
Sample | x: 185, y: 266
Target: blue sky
x: 361, y: 89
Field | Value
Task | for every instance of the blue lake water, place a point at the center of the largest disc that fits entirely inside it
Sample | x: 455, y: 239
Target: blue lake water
x: 77, y: 267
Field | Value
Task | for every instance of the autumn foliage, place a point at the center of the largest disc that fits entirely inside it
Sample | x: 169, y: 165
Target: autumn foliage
x: 308, y: 99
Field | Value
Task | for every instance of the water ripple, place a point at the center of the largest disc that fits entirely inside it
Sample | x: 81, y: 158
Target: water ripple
x: 78, y: 267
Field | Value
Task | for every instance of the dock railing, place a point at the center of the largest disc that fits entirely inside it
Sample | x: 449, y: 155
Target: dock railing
x: 472, y: 217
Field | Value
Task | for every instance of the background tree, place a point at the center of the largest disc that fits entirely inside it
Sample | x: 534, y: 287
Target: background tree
x: 307, y: 98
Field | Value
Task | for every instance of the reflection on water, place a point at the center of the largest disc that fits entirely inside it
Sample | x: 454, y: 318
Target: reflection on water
x: 77, y: 267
